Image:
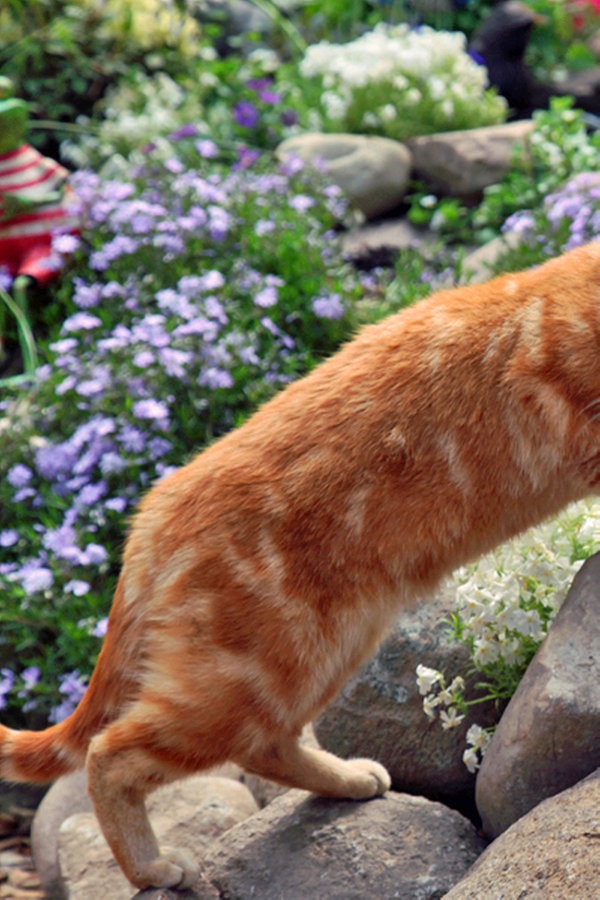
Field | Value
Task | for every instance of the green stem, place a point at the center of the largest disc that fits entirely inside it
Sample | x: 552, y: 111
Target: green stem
x: 26, y: 339
x: 51, y: 125
x: 281, y: 20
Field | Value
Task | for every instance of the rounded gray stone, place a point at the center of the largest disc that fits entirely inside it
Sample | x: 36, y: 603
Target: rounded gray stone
x: 372, y: 171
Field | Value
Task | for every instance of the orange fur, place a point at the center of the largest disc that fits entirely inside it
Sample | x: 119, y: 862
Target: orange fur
x: 258, y: 577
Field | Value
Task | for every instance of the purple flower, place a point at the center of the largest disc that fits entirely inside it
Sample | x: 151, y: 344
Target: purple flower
x: 210, y: 281
x: 7, y: 681
x: 301, y: 203
x: 111, y: 462
x: 132, y: 438
x: 9, y: 537
x: 270, y: 326
x: 245, y: 114
x: 65, y: 244
x: 198, y: 327
x: 207, y: 149
x: 36, y: 578
x: 288, y: 118
x: 30, y: 677
x: 94, y: 554
x: 330, y: 307
x: 174, y: 165
x: 81, y: 321
x: 143, y: 359
x: 73, y: 687
x: 266, y: 297
x: 174, y: 362
x: 91, y: 493
x: 101, y: 628
x: 152, y: 410
x: 120, y: 245
x: 214, y: 309
x: 246, y: 158
x: 214, y: 378
x: 19, y: 475
x: 218, y: 223
x: 159, y: 447
x: 86, y: 296
x: 185, y: 131
x: 117, y: 504
x: 171, y: 301
x: 60, y: 541
x: 6, y: 279
x: 519, y: 223
x: 264, y: 226
x: 77, y: 587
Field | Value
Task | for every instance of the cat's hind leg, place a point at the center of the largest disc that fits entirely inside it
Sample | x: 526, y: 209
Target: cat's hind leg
x: 290, y: 763
x: 119, y: 778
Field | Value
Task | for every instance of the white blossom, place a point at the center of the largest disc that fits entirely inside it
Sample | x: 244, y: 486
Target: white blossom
x: 450, y: 718
x: 427, y: 678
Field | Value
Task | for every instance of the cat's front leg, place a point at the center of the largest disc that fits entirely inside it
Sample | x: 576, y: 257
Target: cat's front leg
x: 294, y: 765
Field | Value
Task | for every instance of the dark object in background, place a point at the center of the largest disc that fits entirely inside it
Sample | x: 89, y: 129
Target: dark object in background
x: 500, y: 43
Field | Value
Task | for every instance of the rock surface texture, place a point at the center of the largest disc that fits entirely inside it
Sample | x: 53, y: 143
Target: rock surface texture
x: 552, y: 853
x: 372, y: 171
x: 302, y: 846
x: 549, y: 735
x: 463, y: 163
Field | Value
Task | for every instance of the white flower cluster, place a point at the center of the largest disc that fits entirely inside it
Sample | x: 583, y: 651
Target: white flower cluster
x: 438, y: 697
x: 373, y: 82
x: 136, y: 112
x: 505, y: 603
x: 478, y: 739
x: 514, y: 592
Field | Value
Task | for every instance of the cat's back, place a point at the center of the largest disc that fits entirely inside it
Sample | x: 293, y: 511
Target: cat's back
x: 426, y: 402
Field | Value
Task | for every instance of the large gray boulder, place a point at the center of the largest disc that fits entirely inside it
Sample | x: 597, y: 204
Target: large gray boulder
x: 549, y: 735
x: 552, y: 853
x: 463, y: 163
x: 302, y: 846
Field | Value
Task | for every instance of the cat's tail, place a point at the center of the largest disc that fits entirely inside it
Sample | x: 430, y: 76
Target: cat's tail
x: 43, y: 756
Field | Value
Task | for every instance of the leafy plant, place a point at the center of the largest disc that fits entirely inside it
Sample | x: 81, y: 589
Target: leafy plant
x: 505, y: 605
x: 399, y: 83
x: 559, y: 147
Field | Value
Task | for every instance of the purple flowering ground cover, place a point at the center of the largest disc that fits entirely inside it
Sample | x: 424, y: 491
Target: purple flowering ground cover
x: 195, y: 292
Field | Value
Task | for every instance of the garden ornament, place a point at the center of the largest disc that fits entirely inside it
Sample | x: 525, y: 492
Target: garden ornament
x: 34, y: 200
x: 500, y: 43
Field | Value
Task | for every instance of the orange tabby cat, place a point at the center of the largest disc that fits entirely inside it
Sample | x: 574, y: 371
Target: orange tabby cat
x: 258, y: 577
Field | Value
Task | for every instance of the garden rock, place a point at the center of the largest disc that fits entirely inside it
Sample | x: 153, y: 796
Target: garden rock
x: 304, y: 846
x: 65, y: 798
x: 549, y: 735
x: 551, y: 853
x: 372, y: 171
x: 477, y: 266
x: 187, y: 814
x: 463, y: 163
x: 379, y: 713
x: 378, y: 243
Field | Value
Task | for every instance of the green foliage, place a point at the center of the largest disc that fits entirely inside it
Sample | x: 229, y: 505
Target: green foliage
x: 560, y: 146
x: 398, y: 82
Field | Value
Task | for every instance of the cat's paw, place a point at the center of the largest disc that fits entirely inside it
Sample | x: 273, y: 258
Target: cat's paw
x: 172, y: 869
x: 367, y: 779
